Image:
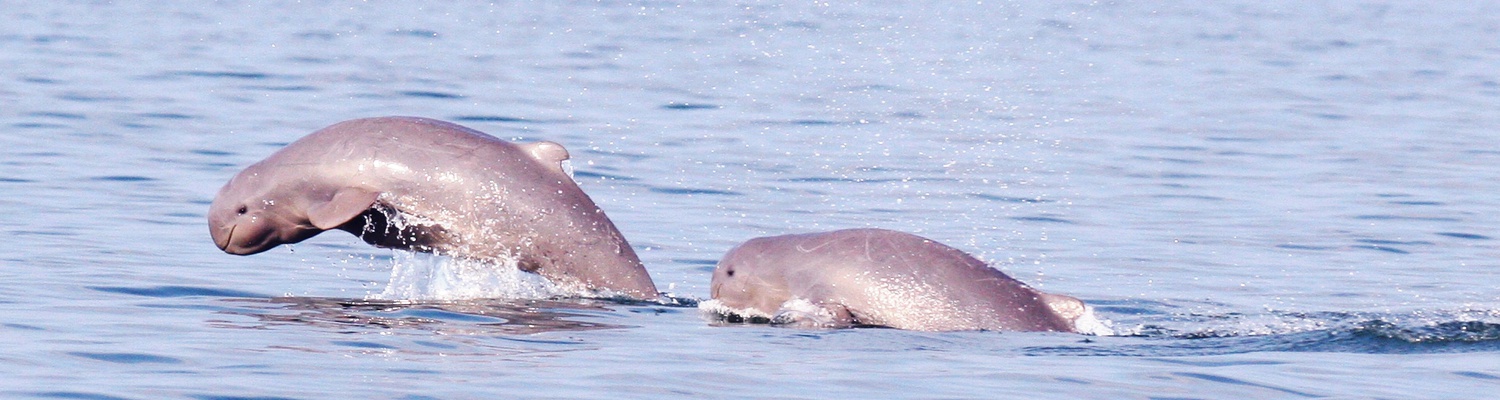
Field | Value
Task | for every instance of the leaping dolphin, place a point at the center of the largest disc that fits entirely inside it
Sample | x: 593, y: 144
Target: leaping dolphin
x: 427, y: 185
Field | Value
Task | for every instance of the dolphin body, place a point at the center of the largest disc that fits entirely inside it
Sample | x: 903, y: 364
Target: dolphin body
x: 878, y: 277
x: 432, y: 186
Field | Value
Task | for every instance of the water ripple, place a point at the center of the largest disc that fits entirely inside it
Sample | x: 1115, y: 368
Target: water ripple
x: 490, y: 118
x: 128, y: 358
x: 1387, y: 249
x: 692, y: 191
x: 1464, y: 235
x: 1008, y: 199
x: 177, y: 291
x: 363, y: 345
x: 689, y: 106
x: 238, y: 397
x: 59, y: 115
x: 1240, y: 382
x: 1390, y: 217
x: 76, y: 396
x: 122, y: 178
x: 582, y: 174
x: 1042, y: 218
x: 223, y: 74
x: 430, y: 94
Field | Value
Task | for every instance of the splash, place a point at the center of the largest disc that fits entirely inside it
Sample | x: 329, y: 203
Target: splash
x: 800, y: 313
x: 715, y: 310
x: 1164, y: 333
x: 424, y: 273
x: 426, y: 277
x: 1090, y: 324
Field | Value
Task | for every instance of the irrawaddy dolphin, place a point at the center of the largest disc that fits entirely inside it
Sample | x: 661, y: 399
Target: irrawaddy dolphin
x: 427, y: 185
x: 877, y: 277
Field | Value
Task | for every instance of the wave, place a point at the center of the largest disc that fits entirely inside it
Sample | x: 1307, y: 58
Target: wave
x: 1424, y: 331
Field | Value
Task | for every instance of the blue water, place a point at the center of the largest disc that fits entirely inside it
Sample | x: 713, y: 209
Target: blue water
x: 1267, y: 199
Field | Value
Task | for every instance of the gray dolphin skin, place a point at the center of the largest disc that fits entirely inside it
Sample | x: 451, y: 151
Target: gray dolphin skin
x: 883, y: 278
x: 427, y: 185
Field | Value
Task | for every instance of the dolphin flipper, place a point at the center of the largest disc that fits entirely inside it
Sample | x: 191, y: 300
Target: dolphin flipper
x: 346, y: 204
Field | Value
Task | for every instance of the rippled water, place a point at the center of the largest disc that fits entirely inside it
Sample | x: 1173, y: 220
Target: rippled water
x: 1267, y: 199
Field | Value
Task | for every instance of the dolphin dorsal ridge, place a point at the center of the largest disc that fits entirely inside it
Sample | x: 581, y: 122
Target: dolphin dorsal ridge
x: 1066, y: 306
x: 550, y: 154
x: 546, y: 151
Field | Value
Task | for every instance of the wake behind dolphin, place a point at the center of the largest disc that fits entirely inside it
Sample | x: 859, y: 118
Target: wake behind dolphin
x: 432, y: 186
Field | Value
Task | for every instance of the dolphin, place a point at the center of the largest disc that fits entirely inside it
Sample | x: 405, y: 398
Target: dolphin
x: 878, y: 277
x: 430, y: 186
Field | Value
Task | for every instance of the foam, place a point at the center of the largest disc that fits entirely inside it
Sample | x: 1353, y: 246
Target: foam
x: 1090, y: 324
x: 801, y: 313
x: 716, y: 310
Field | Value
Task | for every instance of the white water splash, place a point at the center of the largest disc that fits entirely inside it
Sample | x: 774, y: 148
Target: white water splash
x: 421, y: 276
x: 714, y: 309
x: 1090, y: 324
x: 801, y: 313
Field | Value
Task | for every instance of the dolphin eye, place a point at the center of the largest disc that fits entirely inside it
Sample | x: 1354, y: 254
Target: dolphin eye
x: 242, y: 210
x: 729, y: 272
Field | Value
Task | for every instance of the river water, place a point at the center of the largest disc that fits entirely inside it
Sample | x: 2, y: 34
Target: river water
x: 1266, y: 199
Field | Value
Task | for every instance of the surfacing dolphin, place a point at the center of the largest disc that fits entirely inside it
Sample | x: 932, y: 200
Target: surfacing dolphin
x: 432, y: 186
x: 885, y: 278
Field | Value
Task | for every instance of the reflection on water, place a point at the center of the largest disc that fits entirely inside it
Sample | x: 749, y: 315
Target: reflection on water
x: 468, y: 317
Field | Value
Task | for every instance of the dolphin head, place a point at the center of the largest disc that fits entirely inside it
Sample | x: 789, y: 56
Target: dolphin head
x: 751, y: 277
x: 249, y: 217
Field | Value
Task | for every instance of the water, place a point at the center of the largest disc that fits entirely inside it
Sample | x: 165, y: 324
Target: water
x: 1280, y: 199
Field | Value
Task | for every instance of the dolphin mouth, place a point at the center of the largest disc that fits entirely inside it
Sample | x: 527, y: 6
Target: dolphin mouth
x: 224, y: 241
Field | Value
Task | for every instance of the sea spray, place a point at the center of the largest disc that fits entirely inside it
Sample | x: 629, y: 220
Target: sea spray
x: 423, y: 276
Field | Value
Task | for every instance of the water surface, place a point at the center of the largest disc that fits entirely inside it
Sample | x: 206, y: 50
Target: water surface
x: 1268, y: 199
